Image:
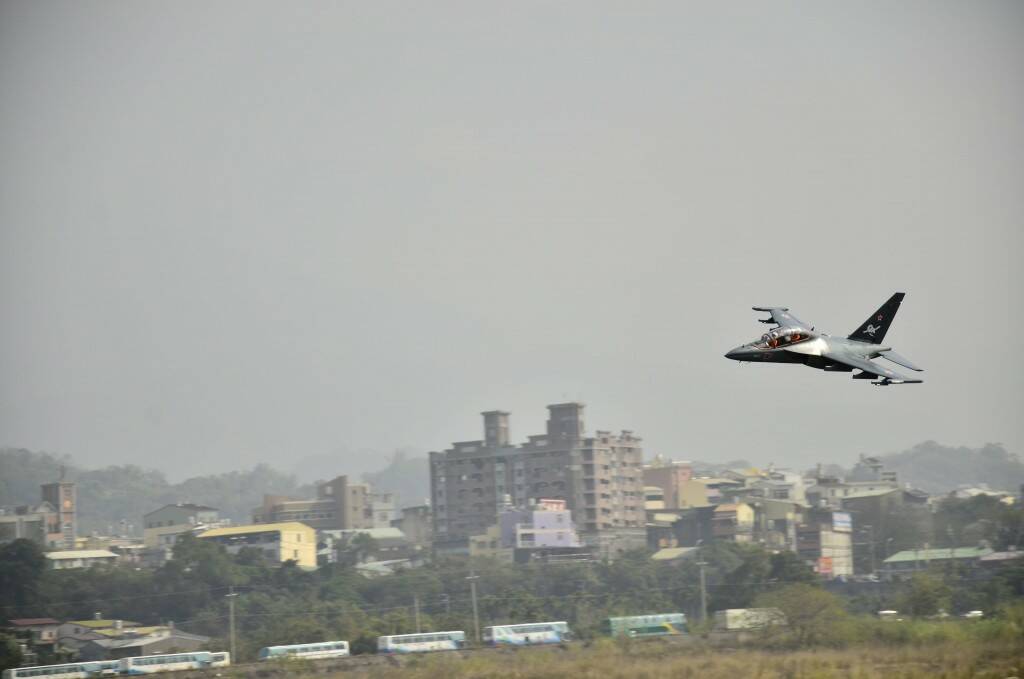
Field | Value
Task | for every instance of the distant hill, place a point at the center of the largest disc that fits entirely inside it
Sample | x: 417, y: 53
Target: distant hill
x: 935, y: 468
x: 112, y: 494
x: 407, y: 476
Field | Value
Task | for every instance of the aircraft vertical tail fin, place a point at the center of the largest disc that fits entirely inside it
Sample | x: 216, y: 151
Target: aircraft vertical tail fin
x: 874, y: 328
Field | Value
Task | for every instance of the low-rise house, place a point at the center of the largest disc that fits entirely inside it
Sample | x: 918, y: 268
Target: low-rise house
x: 280, y: 542
x: 488, y: 546
x: 388, y: 544
x: 141, y: 641
x: 1000, y: 560
x: 31, y: 522
x: 375, y: 569
x: 37, y: 630
x: 79, y: 558
x: 38, y: 636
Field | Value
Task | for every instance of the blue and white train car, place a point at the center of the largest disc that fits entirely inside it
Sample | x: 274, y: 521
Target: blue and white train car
x: 172, y: 662
x: 78, y: 670
x: 324, y: 649
x: 527, y: 634
x: 421, y: 643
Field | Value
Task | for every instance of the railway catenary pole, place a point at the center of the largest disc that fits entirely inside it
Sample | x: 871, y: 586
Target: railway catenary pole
x: 473, y: 577
x: 703, y: 582
x: 231, y: 622
x: 703, y: 593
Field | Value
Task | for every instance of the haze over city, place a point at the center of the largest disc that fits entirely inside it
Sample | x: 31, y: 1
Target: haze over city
x: 252, y: 232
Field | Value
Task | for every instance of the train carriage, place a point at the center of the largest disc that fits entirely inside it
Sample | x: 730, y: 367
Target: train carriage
x: 527, y: 634
x: 661, y: 624
x: 421, y: 643
x: 324, y: 649
x: 172, y: 662
x: 78, y: 670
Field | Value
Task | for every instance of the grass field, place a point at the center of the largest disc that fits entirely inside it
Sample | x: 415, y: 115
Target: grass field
x: 652, y: 660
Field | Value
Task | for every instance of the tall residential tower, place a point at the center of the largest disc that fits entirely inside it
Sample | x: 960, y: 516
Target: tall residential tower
x: 600, y: 478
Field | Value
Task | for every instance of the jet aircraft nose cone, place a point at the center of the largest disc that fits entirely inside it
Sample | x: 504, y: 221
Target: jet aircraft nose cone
x: 736, y: 354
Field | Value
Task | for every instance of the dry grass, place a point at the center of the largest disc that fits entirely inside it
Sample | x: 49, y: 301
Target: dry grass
x: 606, y: 659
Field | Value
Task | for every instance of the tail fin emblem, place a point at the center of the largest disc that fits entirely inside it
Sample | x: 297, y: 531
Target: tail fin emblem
x: 871, y: 329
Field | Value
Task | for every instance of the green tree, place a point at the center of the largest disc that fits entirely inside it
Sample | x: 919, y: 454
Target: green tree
x: 812, y: 614
x: 21, y: 566
x: 926, y: 595
x: 10, y: 652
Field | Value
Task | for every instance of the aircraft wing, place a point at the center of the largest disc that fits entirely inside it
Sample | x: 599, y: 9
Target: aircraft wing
x: 782, y: 318
x: 871, y: 368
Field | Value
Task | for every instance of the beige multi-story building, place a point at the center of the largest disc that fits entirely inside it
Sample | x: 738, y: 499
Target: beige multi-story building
x: 162, y: 527
x: 286, y: 541
x: 599, y: 477
x: 417, y: 524
x: 339, y: 505
x: 672, y: 477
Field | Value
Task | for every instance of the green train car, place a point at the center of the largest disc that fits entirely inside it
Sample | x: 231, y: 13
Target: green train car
x: 662, y: 624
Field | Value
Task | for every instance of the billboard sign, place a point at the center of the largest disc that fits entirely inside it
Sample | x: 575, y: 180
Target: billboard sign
x: 842, y: 522
x: 825, y: 565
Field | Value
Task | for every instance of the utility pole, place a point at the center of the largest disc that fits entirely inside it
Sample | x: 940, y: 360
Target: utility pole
x: 703, y: 593
x: 416, y: 608
x: 703, y: 582
x: 473, y: 577
x: 231, y: 622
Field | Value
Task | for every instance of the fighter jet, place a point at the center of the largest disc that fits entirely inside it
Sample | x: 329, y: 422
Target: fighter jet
x: 793, y: 341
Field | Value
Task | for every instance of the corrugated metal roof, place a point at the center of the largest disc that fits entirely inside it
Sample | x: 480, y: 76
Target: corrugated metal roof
x: 256, y: 528
x: 101, y: 624
x: 80, y: 554
x: 29, y: 622
x: 938, y: 554
x: 1003, y: 556
x: 185, y: 505
x: 375, y: 533
x: 670, y: 553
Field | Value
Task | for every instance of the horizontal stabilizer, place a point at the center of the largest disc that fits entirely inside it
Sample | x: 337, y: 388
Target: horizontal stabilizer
x: 900, y: 360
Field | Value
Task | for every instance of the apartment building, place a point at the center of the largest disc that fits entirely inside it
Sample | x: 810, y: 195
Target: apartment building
x: 600, y: 478
x: 672, y: 477
x: 339, y: 505
x: 162, y: 527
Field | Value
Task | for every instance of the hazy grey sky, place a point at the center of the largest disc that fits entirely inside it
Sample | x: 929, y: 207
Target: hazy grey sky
x: 238, y: 232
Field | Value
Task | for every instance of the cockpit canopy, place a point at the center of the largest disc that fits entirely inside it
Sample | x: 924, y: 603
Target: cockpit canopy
x: 781, y: 337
